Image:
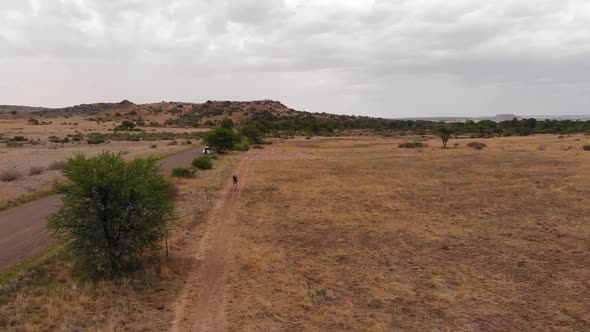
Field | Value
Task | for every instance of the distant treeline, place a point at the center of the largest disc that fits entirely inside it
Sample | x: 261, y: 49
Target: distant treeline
x: 515, y: 127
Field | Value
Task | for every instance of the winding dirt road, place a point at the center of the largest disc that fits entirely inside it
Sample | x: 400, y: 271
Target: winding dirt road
x: 22, y: 229
x: 202, y: 303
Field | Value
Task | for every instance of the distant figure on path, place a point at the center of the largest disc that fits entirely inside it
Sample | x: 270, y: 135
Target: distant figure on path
x: 235, y: 181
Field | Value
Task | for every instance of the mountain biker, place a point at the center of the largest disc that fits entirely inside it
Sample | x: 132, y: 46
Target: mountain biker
x: 235, y: 181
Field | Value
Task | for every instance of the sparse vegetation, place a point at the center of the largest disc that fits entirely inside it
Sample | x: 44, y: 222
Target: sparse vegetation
x: 586, y: 147
x: 113, y: 211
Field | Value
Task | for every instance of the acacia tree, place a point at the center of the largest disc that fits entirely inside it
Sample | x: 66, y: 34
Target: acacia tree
x: 113, y: 211
x: 222, y: 139
x: 252, y: 133
x: 445, y: 134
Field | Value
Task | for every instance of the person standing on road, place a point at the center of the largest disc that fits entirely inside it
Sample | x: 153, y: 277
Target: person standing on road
x: 235, y: 182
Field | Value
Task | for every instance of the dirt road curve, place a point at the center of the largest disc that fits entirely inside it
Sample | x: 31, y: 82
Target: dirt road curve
x: 22, y: 229
x: 202, y: 303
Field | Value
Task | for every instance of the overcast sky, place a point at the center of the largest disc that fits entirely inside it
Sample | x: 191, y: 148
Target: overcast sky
x: 383, y: 58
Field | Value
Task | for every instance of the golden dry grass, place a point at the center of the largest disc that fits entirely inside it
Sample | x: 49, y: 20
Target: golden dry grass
x: 358, y: 234
x: 49, y: 297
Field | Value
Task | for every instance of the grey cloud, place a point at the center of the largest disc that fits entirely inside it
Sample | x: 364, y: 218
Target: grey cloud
x: 358, y: 56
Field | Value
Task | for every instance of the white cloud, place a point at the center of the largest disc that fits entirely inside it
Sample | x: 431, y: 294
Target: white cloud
x: 379, y: 57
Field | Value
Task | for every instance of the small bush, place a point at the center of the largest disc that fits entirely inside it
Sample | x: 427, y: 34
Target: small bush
x: 412, y: 145
x: 36, y: 170
x: 8, y: 176
x: 204, y: 162
x: 586, y: 147
x: 19, y: 139
x: 242, y: 146
x: 257, y: 147
x: 56, y: 165
x: 183, y: 172
x: 153, y: 146
x: 96, y: 140
x: 173, y: 143
x: 476, y: 145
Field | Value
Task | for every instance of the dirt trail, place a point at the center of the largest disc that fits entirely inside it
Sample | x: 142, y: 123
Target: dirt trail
x: 202, y: 302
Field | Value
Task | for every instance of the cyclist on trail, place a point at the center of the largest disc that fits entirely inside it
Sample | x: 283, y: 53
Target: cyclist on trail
x: 235, y: 182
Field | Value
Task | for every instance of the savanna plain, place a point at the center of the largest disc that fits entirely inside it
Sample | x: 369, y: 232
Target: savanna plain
x: 356, y: 233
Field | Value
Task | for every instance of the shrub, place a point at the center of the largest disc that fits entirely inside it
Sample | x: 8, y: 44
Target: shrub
x: 476, y: 145
x: 56, y: 165
x: 183, y: 172
x: 19, y: 139
x: 586, y: 147
x: 173, y: 143
x: 245, y: 146
x: 153, y: 146
x: 95, y: 140
x: 10, y: 175
x: 257, y: 147
x: 204, y: 162
x: 113, y: 211
x: 36, y: 170
x: 412, y: 145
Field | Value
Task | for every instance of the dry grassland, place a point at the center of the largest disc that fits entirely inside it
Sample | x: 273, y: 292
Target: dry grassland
x: 50, y: 298
x: 358, y: 234
x: 22, y: 160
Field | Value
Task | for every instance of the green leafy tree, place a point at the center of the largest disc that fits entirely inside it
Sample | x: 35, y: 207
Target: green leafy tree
x: 222, y: 139
x: 113, y: 211
x: 445, y: 134
x: 126, y: 125
x: 252, y: 133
